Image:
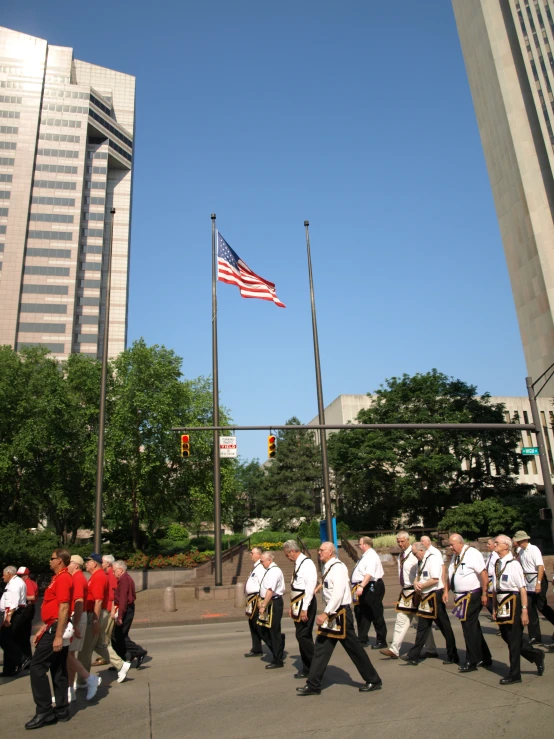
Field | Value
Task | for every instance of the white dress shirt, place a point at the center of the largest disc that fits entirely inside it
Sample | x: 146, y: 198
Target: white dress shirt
x: 272, y: 580
x: 253, y: 583
x: 304, y: 578
x: 430, y: 568
x: 512, y: 578
x: 336, y: 585
x: 15, y: 594
x: 489, y: 564
x: 530, y: 559
x: 436, y: 551
x: 471, y: 564
x: 368, y: 564
x: 408, y: 562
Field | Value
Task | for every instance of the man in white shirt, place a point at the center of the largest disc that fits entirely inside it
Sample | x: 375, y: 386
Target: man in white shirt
x: 432, y: 549
x: 468, y: 581
x: 429, y: 587
x: 12, y: 605
x: 270, y: 609
x: 252, y: 590
x: 303, y: 605
x: 369, y: 593
x: 511, y: 610
x: 406, y: 608
x: 337, y: 624
x: 530, y: 558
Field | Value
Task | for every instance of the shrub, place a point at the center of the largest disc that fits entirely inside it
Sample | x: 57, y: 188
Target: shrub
x: 176, y: 532
x: 270, y: 536
x: 189, y: 560
x: 202, y: 543
x: 387, y: 540
x: 20, y: 547
x: 488, y: 517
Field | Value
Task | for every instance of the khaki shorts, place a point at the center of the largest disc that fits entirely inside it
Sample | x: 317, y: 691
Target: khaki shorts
x: 77, y: 644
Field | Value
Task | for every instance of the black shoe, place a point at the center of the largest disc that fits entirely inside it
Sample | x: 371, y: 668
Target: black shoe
x: 274, y: 665
x: 380, y: 645
x: 251, y: 653
x: 140, y: 660
x: 300, y: 675
x: 509, y: 680
x: 431, y: 655
x: 368, y: 687
x: 113, y: 669
x: 407, y: 659
x: 26, y: 664
x: 540, y: 665
x: 455, y: 661
x: 533, y: 641
x: 467, y: 668
x: 41, y: 719
x: 484, y: 664
x: 365, y: 643
x: 306, y: 690
x: 62, y: 715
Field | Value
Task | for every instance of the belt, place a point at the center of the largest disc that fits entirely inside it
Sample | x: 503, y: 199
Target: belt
x: 467, y: 592
x: 276, y: 597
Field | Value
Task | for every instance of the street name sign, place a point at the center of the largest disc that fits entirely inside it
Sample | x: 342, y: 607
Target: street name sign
x: 530, y: 450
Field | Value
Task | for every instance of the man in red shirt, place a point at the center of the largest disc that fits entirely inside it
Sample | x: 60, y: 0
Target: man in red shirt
x: 79, y: 620
x: 50, y: 653
x: 123, y: 612
x: 28, y: 615
x: 107, y: 562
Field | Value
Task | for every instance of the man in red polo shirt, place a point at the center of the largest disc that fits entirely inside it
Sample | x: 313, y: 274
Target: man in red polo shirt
x: 96, y: 605
x: 79, y: 620
x: 50, y: 653
x: 107, y: 566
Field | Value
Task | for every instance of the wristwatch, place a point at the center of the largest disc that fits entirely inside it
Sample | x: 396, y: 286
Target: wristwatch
x: 524, y: 607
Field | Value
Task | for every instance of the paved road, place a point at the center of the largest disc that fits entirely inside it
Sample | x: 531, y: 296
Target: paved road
x: 199, y: 686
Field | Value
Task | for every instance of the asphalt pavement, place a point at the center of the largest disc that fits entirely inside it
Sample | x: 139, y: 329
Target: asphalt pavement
x: 197, y: 685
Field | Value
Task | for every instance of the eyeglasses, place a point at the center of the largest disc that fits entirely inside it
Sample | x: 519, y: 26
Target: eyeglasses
x: 51, y: 558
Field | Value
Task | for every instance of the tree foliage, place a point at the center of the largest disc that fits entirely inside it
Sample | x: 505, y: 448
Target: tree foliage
x: 384, y: 477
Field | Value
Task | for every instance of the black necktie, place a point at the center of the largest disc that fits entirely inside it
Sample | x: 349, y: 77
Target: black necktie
x: 456, y: 564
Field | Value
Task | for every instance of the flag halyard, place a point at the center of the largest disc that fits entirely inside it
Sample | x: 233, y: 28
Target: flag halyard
x: 232, y: 270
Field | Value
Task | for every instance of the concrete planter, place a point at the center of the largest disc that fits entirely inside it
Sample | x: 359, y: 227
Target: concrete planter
x: 167, y: 577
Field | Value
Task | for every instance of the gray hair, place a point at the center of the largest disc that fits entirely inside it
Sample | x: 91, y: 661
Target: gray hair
x: 10, y: 570
x: 504, y: 539
x: 269, y: 555
x: 120, y: 565
x: 108, y: 558
x: 403, y: 535
x: 418, y: 546
x: 291, y: 546
x: 457, y: 537
x: 258, y: 549
x: 332, y: 547
x: 426, y: 537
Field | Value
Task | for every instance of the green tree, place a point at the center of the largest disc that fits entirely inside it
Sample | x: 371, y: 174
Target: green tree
x: 488, y: 517
x: 288, y: 493
x: 246, y: 502
x: 384, y: 476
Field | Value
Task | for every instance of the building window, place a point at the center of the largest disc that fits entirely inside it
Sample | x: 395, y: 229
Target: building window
x: 53, y: 184
x: 42, y: 328
x: 43, y: 308
x: 94, y: 216
x: 44, y: 200
x: 96, y: 233
x: 9, y: 129
x: 8, y: 145
x: 89, y: 283
x: 55, y: 108
x: 89, y: 301
x: 50, y: 271
x: 4, y: 212
x: 7, y: 161
x: 91, y: 266
x: 10, y: 99
x: 49, y: 253
x: 110, y: 128
x: 52, y: 235
x: 67, y: 153
x: 87, y: 338
x: 88, y: 319
x: 97, y: 154
x: 2, y: 229
x: 62, y: 137
x: 90, y: 249
x: 9, y: 114
x: 46, y: 289
x: 93, y: 200
x: 95, y: 185
x: 6, y: 177
x: 97, y: 170
x: 51, y: 217
x: 63, y: 168
x: 63, y: 122
x: 54, y: 348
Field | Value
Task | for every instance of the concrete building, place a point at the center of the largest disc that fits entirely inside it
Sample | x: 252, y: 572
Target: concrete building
x: 508, y: 50
x: 66, y: 154
x: 345, y: 409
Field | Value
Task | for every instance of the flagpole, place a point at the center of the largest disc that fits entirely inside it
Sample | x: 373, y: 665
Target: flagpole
x: 320, y: 405
x: 215, y: 380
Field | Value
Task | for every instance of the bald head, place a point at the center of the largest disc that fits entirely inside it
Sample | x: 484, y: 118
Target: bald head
x: 426, y: 541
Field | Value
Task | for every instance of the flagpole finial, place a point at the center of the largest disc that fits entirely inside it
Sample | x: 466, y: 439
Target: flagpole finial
x: 306, y: 223
x: 213, y: 216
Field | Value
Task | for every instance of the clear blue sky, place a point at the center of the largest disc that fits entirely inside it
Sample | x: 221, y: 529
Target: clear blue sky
x: 356, y: 116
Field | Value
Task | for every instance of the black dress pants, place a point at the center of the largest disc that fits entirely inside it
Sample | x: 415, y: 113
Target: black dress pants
x: 518, y: 647
x: 371, y: 604
x: 26, y: 630
x: 324, y: 648
x: 273, y: 637
x: 11, y: 640
x: 304, y: 636
x: 121, y: 642
x: 255, y: 631
x: 424, y: 626
x: 46, y: 659
x: 537, y: 604
x: 477, y: 649
x: 362, y: 623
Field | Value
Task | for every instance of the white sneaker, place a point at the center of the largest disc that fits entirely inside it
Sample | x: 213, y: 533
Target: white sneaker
x: 80, y: 686
x: 93, y: 681
x: 71, y: 697
x: 122, y: 674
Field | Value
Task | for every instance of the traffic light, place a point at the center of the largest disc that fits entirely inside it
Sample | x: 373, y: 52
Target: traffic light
x: 271, y: 446
x: 185, y: 445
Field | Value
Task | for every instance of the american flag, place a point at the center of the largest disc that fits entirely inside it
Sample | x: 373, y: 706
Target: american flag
x: 232, y: 270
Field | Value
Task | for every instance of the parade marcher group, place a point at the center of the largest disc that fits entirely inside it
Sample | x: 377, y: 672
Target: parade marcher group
x: 508, y: 585
x: 76, y: 618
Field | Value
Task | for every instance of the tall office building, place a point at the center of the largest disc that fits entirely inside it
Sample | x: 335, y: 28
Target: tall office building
x: 66, y: 154
x: 508, y: 48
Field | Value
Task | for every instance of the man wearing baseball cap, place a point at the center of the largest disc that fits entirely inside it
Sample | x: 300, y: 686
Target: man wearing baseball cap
x: 530, y: 558
x: 28, y: 615
x: 79, y: 620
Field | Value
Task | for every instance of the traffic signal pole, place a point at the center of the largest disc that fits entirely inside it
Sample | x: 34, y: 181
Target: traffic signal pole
x: 215, y: 380
x: 320, y: 404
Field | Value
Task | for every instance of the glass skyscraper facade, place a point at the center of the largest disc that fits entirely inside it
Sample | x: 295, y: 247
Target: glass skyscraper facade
x: 66, y: 159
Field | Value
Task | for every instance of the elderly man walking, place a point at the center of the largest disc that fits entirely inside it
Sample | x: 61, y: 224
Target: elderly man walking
x: 303, y: 605
x: 12, y: 605
x: 270, y: 609
x: 123, y: 613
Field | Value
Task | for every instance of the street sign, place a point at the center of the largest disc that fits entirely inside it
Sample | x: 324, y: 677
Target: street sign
x: 227, y: 446
x: 530, y: 450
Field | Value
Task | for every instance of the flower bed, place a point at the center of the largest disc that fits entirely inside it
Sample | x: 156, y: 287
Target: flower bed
x: 188, y: 560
